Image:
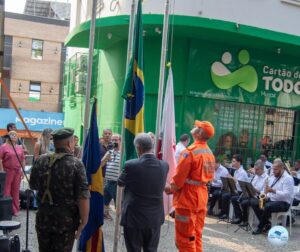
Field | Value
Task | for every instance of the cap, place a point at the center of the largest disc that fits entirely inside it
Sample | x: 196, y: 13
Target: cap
x: 62, y: 133
x: 207, y: 127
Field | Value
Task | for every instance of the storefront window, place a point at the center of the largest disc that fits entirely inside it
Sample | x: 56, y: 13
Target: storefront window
x: 251, y: 130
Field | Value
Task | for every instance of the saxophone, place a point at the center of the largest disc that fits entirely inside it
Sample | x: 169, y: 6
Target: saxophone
x: 263, y: 196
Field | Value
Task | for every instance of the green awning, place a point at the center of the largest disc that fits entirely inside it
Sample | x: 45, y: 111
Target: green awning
x: 111, y: 30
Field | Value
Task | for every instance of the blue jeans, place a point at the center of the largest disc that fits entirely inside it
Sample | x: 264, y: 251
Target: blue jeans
x: 110, y: 192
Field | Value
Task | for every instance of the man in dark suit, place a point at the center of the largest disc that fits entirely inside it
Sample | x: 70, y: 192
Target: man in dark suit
x: 142, y: 207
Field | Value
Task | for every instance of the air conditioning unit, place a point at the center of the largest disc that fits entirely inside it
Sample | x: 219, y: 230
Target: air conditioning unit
x: 80, y: 84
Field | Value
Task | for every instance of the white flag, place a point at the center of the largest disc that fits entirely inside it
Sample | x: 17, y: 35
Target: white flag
x: 168, y: 138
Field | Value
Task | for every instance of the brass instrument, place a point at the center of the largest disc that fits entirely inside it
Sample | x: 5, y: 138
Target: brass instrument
x: 263, y: 196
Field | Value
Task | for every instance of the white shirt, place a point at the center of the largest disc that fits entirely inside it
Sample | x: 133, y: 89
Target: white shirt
x: 240, y: 175
x: 259, y: 182
x: 179, y: 148
x: 220, y: 172
x: 297, y: 192
x: 269, y: 164
x: 284, y: 188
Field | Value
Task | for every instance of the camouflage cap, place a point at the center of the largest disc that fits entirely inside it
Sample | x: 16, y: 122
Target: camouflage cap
x: 62, y: 133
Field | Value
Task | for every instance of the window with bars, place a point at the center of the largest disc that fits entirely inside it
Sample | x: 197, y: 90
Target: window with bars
x: 251, y: 130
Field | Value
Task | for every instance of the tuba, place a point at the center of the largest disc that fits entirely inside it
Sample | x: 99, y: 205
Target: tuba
x: 263, y: 196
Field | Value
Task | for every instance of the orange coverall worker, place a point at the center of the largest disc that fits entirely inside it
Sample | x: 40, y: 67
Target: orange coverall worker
x: 195, y: 169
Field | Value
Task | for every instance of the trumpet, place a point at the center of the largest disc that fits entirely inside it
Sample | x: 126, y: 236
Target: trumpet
x: 263, y: 196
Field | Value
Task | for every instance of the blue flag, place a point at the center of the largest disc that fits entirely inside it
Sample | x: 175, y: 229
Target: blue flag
x: 91, y: 239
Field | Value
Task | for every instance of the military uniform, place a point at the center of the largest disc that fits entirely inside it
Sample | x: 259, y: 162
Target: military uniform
x: 60, y: 180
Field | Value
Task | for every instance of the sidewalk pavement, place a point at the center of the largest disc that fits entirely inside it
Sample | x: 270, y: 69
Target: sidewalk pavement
x: 218, y: 237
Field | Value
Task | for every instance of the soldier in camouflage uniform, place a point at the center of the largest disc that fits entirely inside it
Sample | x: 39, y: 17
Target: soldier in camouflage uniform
x: 63, y: 195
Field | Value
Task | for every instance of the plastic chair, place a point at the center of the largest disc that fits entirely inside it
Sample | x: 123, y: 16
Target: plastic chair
x: 284, y: 215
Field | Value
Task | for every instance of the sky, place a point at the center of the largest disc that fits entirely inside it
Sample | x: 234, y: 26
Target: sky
x: 16, y: 6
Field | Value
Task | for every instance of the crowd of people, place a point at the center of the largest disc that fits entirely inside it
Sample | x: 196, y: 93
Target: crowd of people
x: 273, y: 191
x: 201, y: 186
x: 12, y: 160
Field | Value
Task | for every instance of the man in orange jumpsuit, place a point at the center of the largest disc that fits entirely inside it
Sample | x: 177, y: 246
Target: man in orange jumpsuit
x: 195, y: 169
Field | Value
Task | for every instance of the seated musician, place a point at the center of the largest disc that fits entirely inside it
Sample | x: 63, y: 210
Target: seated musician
x: 241, y: 203
x: 280, y: 194
x: 216, y: 185
x: 296, y: 172
x: 240, y: 174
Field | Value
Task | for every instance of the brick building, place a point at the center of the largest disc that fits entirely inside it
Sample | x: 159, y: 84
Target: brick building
x: 34, y: 56
x: 33, y: 61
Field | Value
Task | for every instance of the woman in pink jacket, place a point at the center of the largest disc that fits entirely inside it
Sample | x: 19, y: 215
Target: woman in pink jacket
x: 11, y: 165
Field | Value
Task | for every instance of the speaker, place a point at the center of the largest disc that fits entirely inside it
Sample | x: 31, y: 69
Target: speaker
x: 5, y: 208
x: 2, y: 183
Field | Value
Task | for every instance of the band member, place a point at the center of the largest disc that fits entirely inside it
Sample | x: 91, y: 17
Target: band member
x: 241, y: 204
x: 239, y: 175
x: 279, y: 193
x: 216, y: 185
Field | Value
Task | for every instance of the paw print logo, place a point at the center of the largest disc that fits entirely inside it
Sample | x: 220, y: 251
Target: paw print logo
x: 245, y: 77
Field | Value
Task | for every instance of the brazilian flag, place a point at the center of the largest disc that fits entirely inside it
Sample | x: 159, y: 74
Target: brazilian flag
x: 133, y: 91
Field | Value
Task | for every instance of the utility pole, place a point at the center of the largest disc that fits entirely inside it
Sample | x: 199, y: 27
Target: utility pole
x: 164, y: 50
x: 119, y: 189
x: 2, y: 18
x: 90, y: 71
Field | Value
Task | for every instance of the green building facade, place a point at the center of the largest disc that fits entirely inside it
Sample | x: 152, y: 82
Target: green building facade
x: 245, y: 80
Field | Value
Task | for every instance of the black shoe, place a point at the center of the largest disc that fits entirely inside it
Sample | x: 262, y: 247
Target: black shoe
x: 236, y: 221
x: 223, y: 217
x: 267, y: 227
x: 257, y: 231
x: 244, y: 224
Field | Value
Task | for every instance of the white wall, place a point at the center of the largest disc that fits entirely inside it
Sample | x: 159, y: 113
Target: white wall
x: 275, y: 15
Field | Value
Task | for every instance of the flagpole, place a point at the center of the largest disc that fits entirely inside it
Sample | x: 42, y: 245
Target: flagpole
x: 119, y: 189
x: 90, y: 71
x: 164, y: 49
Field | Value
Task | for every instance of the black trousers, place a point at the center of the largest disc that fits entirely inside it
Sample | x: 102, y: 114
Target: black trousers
x: 216, y: 193
x: 296, y: 202
x: 270, y: 207
x: 136, y: 239
x: 240, y: 206
x: 225, y: 201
